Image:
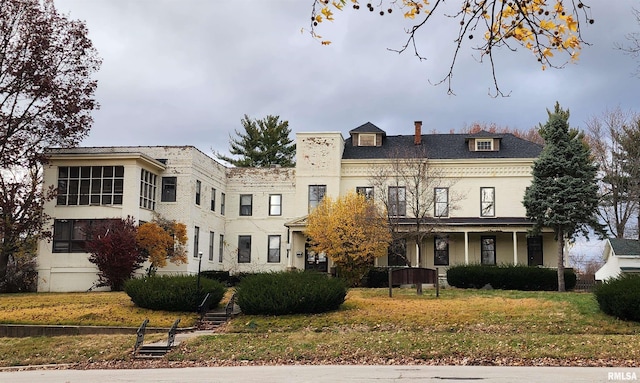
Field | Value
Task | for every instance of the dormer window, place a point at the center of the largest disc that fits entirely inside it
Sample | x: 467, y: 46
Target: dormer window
x: 484, y: 144
x: 367, y: 139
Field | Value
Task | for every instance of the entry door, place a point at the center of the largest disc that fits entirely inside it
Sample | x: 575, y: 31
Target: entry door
x: 534, y: 251
x: 314, y: 261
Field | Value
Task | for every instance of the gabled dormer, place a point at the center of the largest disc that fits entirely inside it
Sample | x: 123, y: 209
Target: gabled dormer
x: 484, y: 141
x: 367, y: 135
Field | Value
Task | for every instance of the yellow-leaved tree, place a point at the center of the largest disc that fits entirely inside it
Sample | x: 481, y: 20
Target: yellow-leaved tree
x: 162, y: 240
x: 352, y: 231
x: 547, y: 28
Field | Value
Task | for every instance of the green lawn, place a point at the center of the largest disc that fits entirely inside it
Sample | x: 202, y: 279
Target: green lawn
x: 461, y: 326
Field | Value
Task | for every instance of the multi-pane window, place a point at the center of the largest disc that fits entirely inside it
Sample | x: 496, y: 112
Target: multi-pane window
x: 397, y: 253
x: 488, y: 250
x: 212, y: 238
x: 366, y: 139
x: 148, y: 189
x: 90, y: 185
x: 441, y: 251
x: 71, y: 235
x: 397, y: 201
x: 273, y: 254
x: 213, y: 199
x: 484, y: 144
x: 198, y: 190
x: 196, y: 241
x: 221, y: 248
x: 244, y: 248
x: 366, y: 191
x: 487, y: 202
x: 275, y: 204
x: 316, y: 194
x: 246, y: 204
x: 169, y: 186
x: 441, y: 205
x: 222, y: 203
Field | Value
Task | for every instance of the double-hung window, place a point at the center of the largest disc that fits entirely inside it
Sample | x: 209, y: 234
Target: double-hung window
x: 169, y: 185
x: 246, y: 204
x: 275, y: 204
x: 397, y: 201
x: 198, y: 190
x: 196, y: 241
x: 244, y: 249
x: 316, y: 194
x: 213, y: 199
x: 366, y: 191
x: 441, y: 205
x: 273, y: 255
x: 212, y: 238
x: 222, y: 203
x: 221, y: 248
x: 487, y: 202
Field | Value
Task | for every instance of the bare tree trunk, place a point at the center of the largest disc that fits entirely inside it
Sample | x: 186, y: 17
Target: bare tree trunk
x: 561, y: 287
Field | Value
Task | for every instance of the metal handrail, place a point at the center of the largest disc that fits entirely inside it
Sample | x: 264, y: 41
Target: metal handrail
x: 204, y: 306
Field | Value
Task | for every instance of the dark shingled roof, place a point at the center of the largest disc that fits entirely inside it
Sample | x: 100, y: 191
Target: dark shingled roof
x: 367, y: 128
x: 625, y: 246
x: 441, y: 146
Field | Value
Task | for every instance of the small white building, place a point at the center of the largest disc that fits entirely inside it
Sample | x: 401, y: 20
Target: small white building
x: 622, y: 256
x: 253, y: 219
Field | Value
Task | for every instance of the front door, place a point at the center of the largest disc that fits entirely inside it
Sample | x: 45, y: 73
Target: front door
x: 534, y: 251
x: 314, y: 261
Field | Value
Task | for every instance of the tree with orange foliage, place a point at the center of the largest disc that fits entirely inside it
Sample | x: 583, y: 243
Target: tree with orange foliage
x: 351, y: 231
x: 162, y: 240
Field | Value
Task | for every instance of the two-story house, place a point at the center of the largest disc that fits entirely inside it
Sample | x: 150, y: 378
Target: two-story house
x: 253, y: 219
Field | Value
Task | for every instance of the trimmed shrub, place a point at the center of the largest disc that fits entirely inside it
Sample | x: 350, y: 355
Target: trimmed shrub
x: 620, y: 297
x: 377, y: 277
x: 282, y: 293
x: 173, y: 292
x: 508, y: 277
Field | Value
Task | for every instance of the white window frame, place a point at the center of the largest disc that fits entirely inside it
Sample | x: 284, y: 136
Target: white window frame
x: 481, y: 144
x: 368, y: 137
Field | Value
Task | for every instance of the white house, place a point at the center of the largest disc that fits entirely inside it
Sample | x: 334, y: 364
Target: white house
x: 622, y: 256
x: 253, y: 219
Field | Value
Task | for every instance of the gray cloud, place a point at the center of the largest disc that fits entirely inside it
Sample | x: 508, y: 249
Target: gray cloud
x: 185, y: 72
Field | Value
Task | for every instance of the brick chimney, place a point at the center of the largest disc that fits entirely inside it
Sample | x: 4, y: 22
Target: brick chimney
x: 418, y: 137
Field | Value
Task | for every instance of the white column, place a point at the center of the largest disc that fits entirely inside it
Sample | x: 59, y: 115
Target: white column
x: 466, y: 248
x: 515, y: 248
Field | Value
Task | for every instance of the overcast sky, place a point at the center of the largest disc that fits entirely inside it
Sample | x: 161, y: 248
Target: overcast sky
x: 184, y: 72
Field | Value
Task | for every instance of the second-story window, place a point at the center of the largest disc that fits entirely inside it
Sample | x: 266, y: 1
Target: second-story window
x: 366, y: 191
x: 246, y: 204
x: 222, y: 203
x: 90, y: 185
x: 213, y: 199
x: 169, y: 185
x: 275, y: 204
x: 441, y: 202
x: 316, y: 194
x: 487, y: 202
x: 397, y: 201
x: 147, y: 189
x: 198, y: 190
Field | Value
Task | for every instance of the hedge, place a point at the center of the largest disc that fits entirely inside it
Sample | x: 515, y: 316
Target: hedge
x: 281, y: 293
x: 173, y: 292
x: 620, y: 297
x: 509, y: 277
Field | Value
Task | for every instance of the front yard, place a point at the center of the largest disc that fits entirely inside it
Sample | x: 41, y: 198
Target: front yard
x: 460, y: 327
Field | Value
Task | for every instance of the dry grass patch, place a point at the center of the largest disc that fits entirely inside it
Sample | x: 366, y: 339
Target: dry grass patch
x: 87, y: 309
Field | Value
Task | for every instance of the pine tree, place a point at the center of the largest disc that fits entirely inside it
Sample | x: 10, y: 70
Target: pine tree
x: 264, y: 143
x: 564, y: 192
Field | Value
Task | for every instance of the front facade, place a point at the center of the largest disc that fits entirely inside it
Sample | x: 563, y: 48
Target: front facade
x: 253, y: 219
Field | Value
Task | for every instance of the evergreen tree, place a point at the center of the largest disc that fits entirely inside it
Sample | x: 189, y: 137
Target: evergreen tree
x: 264, y: 143
x: 564, y: 192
